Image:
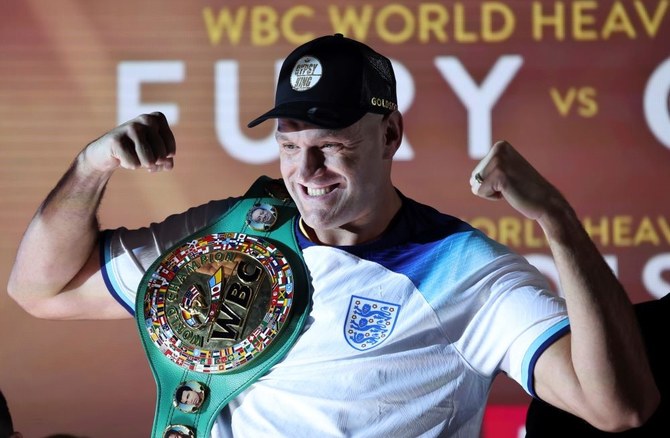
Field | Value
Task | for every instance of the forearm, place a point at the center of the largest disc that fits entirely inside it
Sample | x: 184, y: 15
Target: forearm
x: 59, y: 239
x: 607, y: 352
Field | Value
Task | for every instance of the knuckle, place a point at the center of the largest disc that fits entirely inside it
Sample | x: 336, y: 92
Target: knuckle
x: 147, y: 121
x: 135, y: 126
x: 159, y: 116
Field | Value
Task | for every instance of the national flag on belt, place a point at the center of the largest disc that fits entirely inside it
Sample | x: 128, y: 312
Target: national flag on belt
x: 215, y: 283
x: 190, y: 296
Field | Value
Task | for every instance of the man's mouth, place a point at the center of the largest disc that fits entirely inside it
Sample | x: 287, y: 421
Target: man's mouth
x: 319, y: 191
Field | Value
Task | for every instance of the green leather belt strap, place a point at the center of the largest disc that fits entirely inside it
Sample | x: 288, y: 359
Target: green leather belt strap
x: 220, y: 308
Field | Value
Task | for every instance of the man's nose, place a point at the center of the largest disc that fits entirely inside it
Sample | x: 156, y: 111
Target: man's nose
x: 311, y: 161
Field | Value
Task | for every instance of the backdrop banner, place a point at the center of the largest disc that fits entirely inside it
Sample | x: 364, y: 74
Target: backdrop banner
x: 580, y: 87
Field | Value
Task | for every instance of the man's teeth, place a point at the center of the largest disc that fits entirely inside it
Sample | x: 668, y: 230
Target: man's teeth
x: 317, y: 192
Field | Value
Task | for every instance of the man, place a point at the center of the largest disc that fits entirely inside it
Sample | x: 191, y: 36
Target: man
x: 190, y: 396
x: 414, y: 312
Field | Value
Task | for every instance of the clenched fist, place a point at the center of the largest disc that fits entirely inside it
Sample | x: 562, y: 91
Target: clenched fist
x: 143, y: 142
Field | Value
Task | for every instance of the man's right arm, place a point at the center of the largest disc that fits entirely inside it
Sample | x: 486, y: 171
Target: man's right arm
x: 56, y: 273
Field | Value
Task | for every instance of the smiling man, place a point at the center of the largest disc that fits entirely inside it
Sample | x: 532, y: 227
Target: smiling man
x: 413, y: 312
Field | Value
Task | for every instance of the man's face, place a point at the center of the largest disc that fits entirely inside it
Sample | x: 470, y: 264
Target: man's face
x: 335, y: 177
x: 190, y: 397
x: 261, y: 216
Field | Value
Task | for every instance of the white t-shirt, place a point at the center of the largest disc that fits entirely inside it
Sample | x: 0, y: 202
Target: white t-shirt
x: 405, y: 336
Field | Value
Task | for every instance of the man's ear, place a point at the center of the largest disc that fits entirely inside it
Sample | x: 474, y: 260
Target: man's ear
x: 392, y: 134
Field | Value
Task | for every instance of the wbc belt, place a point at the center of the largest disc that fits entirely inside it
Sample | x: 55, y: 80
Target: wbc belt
x: 220, y: 308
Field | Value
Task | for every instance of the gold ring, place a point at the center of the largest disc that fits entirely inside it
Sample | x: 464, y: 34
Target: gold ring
x: 479, y: 178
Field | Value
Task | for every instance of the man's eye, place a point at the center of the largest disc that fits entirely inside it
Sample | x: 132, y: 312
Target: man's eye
x: 289, y: 146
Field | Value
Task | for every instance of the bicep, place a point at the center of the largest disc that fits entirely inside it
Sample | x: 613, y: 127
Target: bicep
x: 85, y: 297
x: 555, y: 381
x: 127, y: 256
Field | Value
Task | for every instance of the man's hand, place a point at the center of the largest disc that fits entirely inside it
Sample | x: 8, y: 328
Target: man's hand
x: 504, y: 173
x: 143, y: 142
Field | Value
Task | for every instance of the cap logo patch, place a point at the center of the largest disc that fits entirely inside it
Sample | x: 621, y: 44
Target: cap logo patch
x: 306, y: 73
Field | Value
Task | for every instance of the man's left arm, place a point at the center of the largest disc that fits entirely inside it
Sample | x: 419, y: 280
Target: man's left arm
x: 599, y: 371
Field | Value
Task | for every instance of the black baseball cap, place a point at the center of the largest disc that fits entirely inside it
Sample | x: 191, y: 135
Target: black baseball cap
x: 332, y: 81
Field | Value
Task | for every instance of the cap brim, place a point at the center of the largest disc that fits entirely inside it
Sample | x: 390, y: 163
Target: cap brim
x: 317, y: 114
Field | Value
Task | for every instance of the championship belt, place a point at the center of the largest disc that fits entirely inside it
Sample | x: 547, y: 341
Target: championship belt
x: 220, y: 308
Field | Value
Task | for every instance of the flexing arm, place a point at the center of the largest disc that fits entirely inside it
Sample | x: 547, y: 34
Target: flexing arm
x: 56, y: 273
x: 599, y: 371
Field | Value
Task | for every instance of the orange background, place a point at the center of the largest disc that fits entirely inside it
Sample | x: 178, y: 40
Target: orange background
x: 59, y: 89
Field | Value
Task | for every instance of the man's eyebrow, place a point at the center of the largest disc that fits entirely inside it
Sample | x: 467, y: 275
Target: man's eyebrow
x: 325, y: 133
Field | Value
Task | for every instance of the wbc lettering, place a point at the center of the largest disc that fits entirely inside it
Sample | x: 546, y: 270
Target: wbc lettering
x: 235, y: 307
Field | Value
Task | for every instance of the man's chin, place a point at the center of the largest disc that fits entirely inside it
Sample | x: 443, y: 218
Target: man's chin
x: 311, y: 222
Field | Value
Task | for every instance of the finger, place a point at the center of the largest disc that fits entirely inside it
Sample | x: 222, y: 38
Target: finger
x: 161, y: 140
x: 483, y: 168
x: 475, y: 183
x: 479, y: 176
x: 157, y: 147
x: 139, y: 133
x: 485, y: 187
x: 126, y: 153
x: 488, y: 178
x: 476, y: 178
x: 486, y: 162
x: 166, y: 134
